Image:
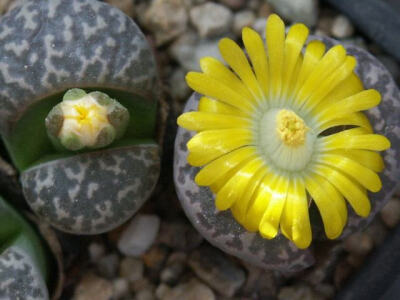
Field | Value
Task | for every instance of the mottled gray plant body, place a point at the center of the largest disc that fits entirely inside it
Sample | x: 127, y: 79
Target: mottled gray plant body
x: 92, y: 192
x: 49, y: 46
x: 221, y: 229
x: 19, y: 278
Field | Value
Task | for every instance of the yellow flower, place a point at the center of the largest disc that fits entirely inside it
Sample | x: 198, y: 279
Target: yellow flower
x: 271, y: 136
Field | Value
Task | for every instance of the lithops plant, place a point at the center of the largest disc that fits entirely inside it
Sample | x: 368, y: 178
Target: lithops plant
x: 79, y: 111
x: 24, y: 266
x: 284, y: 146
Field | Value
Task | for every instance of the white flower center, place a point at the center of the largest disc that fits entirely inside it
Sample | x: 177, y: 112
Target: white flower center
x: 284, y: 139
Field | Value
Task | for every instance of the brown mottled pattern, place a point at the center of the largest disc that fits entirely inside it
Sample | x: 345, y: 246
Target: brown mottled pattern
x: 49, y: 46
x: 19, y: 278
x: 93, y: 192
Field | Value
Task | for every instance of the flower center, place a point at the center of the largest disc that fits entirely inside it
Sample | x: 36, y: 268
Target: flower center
x: 291, y: 128
x: 284, y: 140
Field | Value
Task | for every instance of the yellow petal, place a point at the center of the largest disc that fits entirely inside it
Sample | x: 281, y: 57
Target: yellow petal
x: 352, y: 85
x: 366, y: 177
x: 215, y: 106
x: 219, y: 167
x: 234, y: 188
x: 329, y: 83
x: 357, y: 119
x: 330, y: 203
x: 257, y: 53
x: 270, y: 220
x: 333, y: 59
x: 349, y: 139
x: 295, y: 223
x: 199, y: 121
x: 235, y: 57
x: 294, y: 42
x: 312, y: 55
x: 209, y: 145
x: 369, y: 159
x: 361, y: 101
x: 352, y: 191
x: 260, y: 202
x: 209, y: 86
x: 220, y: 72
x: 239, y: 209
x: 275, y: 37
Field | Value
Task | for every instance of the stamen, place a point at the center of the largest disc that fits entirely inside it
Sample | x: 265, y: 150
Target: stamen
x: 291, y: 128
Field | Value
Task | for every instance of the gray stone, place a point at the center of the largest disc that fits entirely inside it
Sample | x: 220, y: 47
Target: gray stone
x: 260, y: 284
x: 189, y: 49
x: 298, y: 292
x: 219, y: 272
x: 179, y: 235
x: 175, y: 266
x: 211, y: 19
x: 96, y: 251
x: 162, y: 290
x: 90, y: 285
x: 178, y: 87
x: 139, y: 235
x: 107, y: 266
x: 145, y: 294
x: 120, y: 288
x: 193, y: 290
x: 234, y: 4
x: 390, y: 213
x: 167, y: 19
x: 131, y: 269
x: 304, y: 11
x: 342, y: 27
x: 242, y: 19
x: 359, y: 243
x: 259, y: 25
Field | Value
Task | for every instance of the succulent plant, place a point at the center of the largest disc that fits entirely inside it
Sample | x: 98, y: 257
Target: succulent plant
x: 280, y: 137
x: 24, y: 267
x: 79, y: 110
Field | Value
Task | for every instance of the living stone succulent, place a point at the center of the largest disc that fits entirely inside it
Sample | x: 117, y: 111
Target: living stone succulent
x: 24, y: 267
x: 79, y: 104
x: 221, y: 228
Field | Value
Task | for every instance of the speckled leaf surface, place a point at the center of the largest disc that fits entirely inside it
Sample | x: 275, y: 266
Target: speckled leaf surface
x: 50, y: 46
x: 220, y: 228
x: 224, y: 232
x: 92, y: 192
x: 19, y: 278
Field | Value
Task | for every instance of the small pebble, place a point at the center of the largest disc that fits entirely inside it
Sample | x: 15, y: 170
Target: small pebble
x: 177, y: 85
x: 265, y: 10
x: 107, y: 266
x: 342, y: 27
x: 193, y: 290
x: 92, y: 284
x: 96, y: 251
x: 131, y: 269
x: 304, y: 11
x: 259, y: 26
x: 390, y: 213
x: 175, y: 266
x: 120, y: 288
x: 162, y: 290
x: 355, y: 260
x: 234, y: 4
x: 139, y: 235
x: 342, y: 272
x: 167, y: 19
x: 242, y: 19
x: 154, y: 259
x: 298, y: 292
x: 145, y: 295
x: 214, y: 268
x: 359, y: 243
x: 211, y: 19
x: 377, y: 231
